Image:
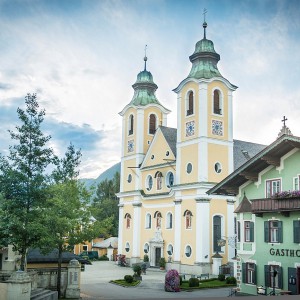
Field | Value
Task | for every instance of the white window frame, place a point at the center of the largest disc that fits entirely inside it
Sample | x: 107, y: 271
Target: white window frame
x: 148, y: 221
x: 187, y: 103
x: 221, y: 98
x: 147, y: 182
x: 168, y: 179
x: 272, y: 190
x: 168, y: 225
x: 190, y: 252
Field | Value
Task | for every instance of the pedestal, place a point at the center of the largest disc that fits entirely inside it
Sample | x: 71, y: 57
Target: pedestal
x: 73, y: 286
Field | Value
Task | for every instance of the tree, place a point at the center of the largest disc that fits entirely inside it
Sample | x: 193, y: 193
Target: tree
x: 23, y: 181
x: 105, y: 205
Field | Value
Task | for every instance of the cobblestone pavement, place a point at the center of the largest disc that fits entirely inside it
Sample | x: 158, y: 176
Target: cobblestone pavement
x: 95, y: 285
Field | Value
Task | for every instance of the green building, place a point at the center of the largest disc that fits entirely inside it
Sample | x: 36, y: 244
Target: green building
x: 267, y: 190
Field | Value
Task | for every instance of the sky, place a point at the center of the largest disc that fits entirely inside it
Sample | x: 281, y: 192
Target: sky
x: 81, y: 57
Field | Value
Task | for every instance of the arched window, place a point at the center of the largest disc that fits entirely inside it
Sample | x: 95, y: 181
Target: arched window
x: 190, y: 104
x: 188, y: 219
x: 170, y: 249
x: 152, y: 124
x: 157, y: 216
x: 217, y: 233
x: 217, y: 103
x: 127, y: 247
x: 131, y: 120
x: 146, y: 248
x: 169, y: 224
x: 188, y: 251
x: 158, y: 177
x: 148, y: 221
x: 169, y: 179
x: 128, y: 220
x: 149, y: 183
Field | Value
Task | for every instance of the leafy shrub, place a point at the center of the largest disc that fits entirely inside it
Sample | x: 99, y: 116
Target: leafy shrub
x: 194, y: 282
x: 137, y: 269
x: 103, y: 257
x: 146, y: 258
x: 128, y: 278
x: 180, y: 278
x: 172, y: 281
x: 221, y: 277
x: 231, y: 280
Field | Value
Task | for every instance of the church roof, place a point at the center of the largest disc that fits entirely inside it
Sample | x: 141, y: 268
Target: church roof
x: 244, y: 206
x: 170, y: 135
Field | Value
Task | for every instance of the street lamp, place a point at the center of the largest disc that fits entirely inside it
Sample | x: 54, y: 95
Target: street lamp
x: 274, y: 274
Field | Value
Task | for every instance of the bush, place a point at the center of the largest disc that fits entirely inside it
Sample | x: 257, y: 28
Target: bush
x: 172, y: 281
x: 137, y: 269
x: 231, y: 280
x: 180, y: 278
x: 103, y: 257
x: 128, y: 278
x: 194, y: 282
x: 146, y: 258
x: 221, y: 277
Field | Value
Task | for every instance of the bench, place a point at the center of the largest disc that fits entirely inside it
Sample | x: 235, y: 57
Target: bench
x: 204, y: 275
x: 201, y: 276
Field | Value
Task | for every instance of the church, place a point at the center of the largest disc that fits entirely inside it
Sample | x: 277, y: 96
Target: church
x: 164, y: 210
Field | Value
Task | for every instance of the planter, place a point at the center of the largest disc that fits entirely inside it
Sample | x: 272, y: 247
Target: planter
x: 137, y: 277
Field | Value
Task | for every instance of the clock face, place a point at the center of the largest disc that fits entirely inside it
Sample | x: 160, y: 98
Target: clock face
x: 190, y: 128
x: 217, y: 127
x: 130, y: 146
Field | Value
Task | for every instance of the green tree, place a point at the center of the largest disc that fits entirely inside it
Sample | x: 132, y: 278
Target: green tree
x: 23, y: 181
x: 105, y: 205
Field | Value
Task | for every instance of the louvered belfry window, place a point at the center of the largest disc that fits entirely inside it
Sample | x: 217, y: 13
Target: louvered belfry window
x: 152, y: 124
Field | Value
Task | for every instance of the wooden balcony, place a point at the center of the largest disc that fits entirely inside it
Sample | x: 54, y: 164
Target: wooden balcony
x: 283, y: 205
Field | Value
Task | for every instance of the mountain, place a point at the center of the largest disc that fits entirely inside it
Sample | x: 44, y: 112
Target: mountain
x: 108, y: 174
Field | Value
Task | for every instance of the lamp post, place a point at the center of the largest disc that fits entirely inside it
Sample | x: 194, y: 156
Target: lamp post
x: 274, y: 274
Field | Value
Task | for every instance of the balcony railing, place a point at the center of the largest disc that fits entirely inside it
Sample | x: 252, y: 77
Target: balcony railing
x: 281, y: 205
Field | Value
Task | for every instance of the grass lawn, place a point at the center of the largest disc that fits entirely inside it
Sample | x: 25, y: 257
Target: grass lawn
x: 122, y: 282
x: 207, y: 284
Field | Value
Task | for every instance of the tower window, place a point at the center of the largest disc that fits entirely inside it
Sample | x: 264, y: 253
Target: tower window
x: 152, y: 124
x: 149, y: 182
x: 169, y: 179
x: 218, y: 167
x: 190, y: 104
x: 189, y: 168
x: 217, y: 103
x: 131, y: 120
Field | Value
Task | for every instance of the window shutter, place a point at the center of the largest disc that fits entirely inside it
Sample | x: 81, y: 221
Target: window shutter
x: 280, y: 277
x: 267, y: 276
x: 239, y: 231
x: 266, y: 231
x: 244, y: 274
x: 254, y: 275
x: 296, y: 231
x: 280, y: 233
x: 251, y: 231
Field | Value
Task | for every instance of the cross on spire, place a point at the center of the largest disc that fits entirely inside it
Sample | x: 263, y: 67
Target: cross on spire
x: 204, y: 13
x: 204, y: 22
x: 145, y: 57
x: 284, y: 119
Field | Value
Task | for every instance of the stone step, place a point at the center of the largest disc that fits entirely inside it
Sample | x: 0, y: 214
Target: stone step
x: 42, y: 294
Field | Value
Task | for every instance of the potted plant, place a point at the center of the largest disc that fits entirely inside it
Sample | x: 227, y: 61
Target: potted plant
x: 137, y: 272
x: 162, y: 263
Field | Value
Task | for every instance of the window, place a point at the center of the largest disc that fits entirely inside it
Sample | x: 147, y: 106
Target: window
x: 188, y: 251
x: 249, y: 273
x: 190, y: 104
x: 127, y: 247
x: 218, y: 168
x: 216, y: 233
x: 167, y: 153
x: 157, y: 215
x: 272, y: 187
x: 297, y: 183
x: 131, y: 120
x: 169, y: 218
x: 128, y: 220
x: 296, y: 227
x: 249, y: 231
x: 217, y: 103
x: 169, y: 179
x: 158, y: 176
x: 85, y: 248
x: 273, y: 231
x: 152, y: 124
x: 273, y: 276
x: 238, y: 231
x: 148, y: 221
x: 149, y: 183
x: 170, y: 250
x: 129, y: 179
x: 146, y: 248
x: 189, y: 168
x: 188, y: 219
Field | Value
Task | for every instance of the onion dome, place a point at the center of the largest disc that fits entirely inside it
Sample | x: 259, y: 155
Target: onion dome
x: 204, y: 59
x: 144, y: 88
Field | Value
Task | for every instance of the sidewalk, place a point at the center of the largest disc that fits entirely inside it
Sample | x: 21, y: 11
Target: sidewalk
x: 95, y: 285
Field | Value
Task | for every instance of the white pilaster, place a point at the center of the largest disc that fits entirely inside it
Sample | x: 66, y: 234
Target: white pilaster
x: 230, y: 228
x: 203, y: 160
x: 140, y: 131
x: 177, y: 230
x: 120, y: 234
x: 230, y: 119
x: 203, y: 109
x: 136, y: 229
x: 202, y: 229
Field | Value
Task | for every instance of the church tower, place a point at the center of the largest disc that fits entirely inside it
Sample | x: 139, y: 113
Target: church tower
x: 204, y: 102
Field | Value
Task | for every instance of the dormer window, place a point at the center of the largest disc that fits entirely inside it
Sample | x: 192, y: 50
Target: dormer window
x: 152, y: 124
x: 217, y: 103
x: 190, y: 104
x: 131, y: 121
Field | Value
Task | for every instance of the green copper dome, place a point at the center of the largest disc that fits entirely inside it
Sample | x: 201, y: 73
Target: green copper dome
x: 144, y: 89
x: 204, y: 59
